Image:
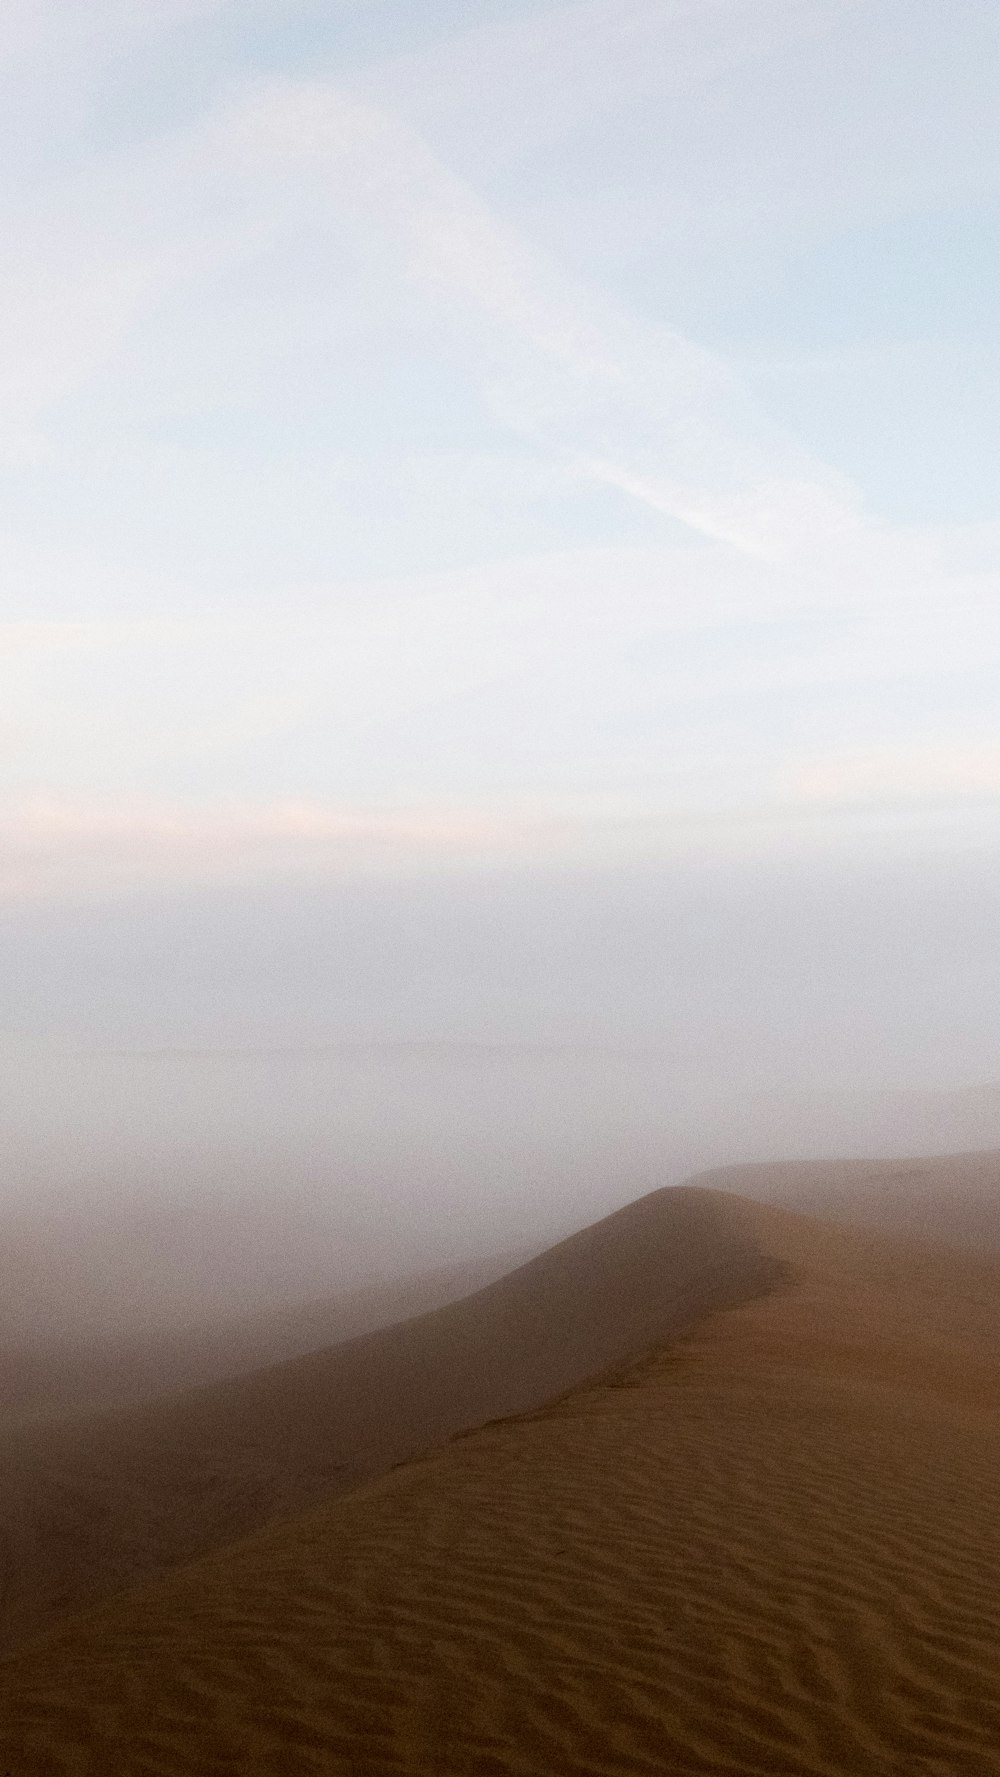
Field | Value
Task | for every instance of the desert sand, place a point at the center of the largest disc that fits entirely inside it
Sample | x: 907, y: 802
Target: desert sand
x: 757, y: 1531
x: 93, y: 1505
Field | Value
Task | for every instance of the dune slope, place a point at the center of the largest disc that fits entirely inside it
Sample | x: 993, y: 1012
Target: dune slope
x: 50, y: 1377
x: 770, y: 1548
x: 93, y: 1506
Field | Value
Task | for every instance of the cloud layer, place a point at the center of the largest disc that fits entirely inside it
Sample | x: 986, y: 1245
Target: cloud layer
x: 369, y: 489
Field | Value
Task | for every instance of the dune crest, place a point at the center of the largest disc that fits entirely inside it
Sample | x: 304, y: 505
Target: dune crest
x: 769, y: 1547
x: 95, y: 1505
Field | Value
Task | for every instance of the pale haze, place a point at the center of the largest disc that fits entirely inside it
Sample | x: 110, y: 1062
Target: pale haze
x: 500, y: 621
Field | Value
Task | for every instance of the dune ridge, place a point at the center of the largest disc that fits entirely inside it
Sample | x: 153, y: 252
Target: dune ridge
x: 769, y: 1546
x: 93, y: 1506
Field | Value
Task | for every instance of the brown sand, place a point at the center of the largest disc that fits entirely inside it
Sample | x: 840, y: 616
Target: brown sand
x: 771, y: 1547
x: 92, y: 1506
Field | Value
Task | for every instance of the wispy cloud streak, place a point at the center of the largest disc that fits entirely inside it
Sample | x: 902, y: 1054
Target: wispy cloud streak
x: 646, y: 411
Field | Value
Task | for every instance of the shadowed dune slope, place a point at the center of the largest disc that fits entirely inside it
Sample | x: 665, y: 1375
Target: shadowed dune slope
x: 91, y: 1506
x: 770, y: 1548
x: 40, y: 1380
x: 953, y: 1198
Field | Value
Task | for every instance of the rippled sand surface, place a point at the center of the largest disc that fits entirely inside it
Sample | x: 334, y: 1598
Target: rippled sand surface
x: 96, y: 1505
x: 771, y: 1545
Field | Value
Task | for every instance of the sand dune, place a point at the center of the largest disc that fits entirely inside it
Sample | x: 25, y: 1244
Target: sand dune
x: 54, y: 1377
x: 769, y: 1547
x: 93, y: 1505
x: 953, y: 1198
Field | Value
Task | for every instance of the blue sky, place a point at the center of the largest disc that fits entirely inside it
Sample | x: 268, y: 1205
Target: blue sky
x: 505, y: 434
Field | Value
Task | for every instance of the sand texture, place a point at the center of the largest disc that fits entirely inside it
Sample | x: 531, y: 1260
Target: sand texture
x: 92, y: 1506
x: 770, y: 1546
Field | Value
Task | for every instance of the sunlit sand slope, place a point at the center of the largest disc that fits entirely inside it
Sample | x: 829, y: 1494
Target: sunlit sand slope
x: 949, y: 1197
x: 772, y: 1547
x: 93, y: 1506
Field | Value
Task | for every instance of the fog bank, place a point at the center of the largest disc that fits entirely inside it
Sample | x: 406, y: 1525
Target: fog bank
x: 149, y: 1191
x: 226, y: 1099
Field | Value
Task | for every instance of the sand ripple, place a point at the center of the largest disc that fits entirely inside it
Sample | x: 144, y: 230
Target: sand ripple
x: 772, y: 1548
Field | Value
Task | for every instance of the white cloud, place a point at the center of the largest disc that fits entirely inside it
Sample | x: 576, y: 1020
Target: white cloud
x: 59, y: 322
x: 779, y: 114
x: 558, y: 66
x: 67, y: 27
x: 49, y: 847
x: 43, y: 638
x: 619, y: 687
x: 948, y: 772
x: 647, y: 411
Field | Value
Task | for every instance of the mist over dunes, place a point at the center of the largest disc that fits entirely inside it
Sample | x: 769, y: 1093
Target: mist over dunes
x: 91, y: 1505
x: 146, y: 1194
x: 46, y: 1377
x: 499, y: 888
x: 953, y: 1198
x: 764, y: 1540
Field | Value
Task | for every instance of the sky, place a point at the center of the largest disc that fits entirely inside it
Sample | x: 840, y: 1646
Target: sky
x: 499, y: 526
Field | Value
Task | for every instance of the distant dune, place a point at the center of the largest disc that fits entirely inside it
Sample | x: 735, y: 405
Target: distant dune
x: 761, y: 1540
x: 94, y: 1505
x: 954, y: 1198
x: 54, y: 1377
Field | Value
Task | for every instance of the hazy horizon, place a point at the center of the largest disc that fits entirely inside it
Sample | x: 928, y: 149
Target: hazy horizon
x: 499, y: 603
